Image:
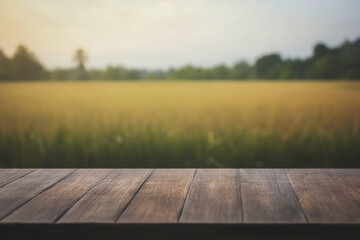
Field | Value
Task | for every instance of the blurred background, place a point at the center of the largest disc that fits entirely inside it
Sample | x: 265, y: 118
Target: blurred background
x: 179, y: 83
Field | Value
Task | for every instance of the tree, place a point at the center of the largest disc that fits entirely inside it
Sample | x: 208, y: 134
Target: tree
x: 132, y: 74
x: 325, y: 67
x: 293, y: 69
x: 268, y: 67
x: 220, y: 72
x: 114, y: 73
x: 242, y: 70
x: 5, y: 67
x: 61, y: 74
x: 185, y: 72
x: 80, y: 58
x: 321, y: 50
x: 26, y: 66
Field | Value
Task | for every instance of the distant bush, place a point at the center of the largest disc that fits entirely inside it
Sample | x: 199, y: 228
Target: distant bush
x: 337, y: 63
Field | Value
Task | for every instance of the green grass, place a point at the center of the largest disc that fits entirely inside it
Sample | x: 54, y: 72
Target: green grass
x: 151, y: 147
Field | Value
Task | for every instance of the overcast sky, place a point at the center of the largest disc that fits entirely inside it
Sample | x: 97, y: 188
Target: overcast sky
x: 171, y: 33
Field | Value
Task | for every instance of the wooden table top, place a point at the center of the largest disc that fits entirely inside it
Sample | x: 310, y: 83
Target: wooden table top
x: 179, y: 196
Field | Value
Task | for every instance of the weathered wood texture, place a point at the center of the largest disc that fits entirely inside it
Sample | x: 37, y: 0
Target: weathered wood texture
x: 161, y: 198
x: 50, y: 205
x: 186, y: 196
x: 105, y: 202
x: 18, y: 192
x: 9, y: 175
x: 214, y: 197
x: 324, y: 199
x: 350, y: 179
x: 268, y: 197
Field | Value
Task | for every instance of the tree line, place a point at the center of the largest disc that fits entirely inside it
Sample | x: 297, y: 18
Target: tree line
x: 342, y: 62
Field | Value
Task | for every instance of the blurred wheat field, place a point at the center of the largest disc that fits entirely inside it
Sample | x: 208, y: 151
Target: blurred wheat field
x: 180, y: 124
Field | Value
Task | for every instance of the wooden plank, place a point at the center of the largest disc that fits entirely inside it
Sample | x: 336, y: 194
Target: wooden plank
x: 23, y: 189
x: 214, y: 197
x: 322, y: 197
x: 9, y: 175
x: 107, y: 200
x: 350, y: 179
x: 48, y: 206
x: 268, y: 197
x: 161, y: 198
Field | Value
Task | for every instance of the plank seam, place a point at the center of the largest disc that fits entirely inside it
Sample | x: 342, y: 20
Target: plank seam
x: 18, y: 178
x: 95, y: 185
x: 241, y: 195
x: 126, y: 206
x: 297, y: 197
x: 45, y: 189
x: 186, y: 197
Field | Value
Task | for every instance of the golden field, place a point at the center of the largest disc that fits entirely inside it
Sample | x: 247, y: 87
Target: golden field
x: 256, y: 106
x: 206, y: 115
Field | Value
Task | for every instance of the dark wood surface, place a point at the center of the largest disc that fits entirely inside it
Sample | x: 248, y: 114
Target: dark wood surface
x: 17, y: 193
x: 109, y: 198
x: 9, y: 175
x: 50, y: 205
x: 323, y: 198
x: 161, y: 198
x: 214, y: 197
x: 179, y: 202
x: 268, y: 197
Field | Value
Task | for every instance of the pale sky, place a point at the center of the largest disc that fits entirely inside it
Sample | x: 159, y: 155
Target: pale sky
x: 171, y: 33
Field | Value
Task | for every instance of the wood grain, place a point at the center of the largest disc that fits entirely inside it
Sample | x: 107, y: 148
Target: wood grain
x: 214, y: 196
x: 268, y: 197
x: 161, y: 198
x: 350, y: 179
x: 323, y: 198
x: 210, y: 197
x: 49, y: 205
x: 16, y: 193
x: 9, y: 175
x: 108, y: 199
